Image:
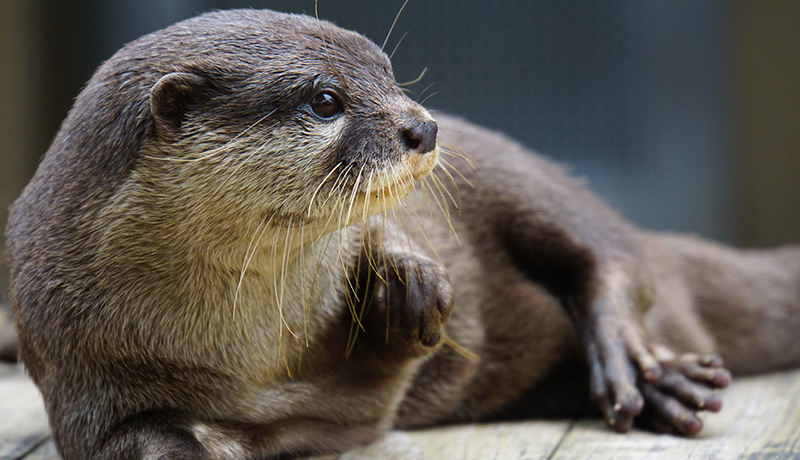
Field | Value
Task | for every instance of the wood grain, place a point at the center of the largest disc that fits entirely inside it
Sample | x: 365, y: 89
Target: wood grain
x: 761, y: 419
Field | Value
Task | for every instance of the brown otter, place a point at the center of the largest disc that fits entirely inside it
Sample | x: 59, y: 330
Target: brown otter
x: 209, y: 263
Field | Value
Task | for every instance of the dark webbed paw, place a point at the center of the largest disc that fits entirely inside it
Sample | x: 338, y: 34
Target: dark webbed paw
x: 627, y: 380
x: 413, y: 298
x: 618, y: 358
x: 686, y: 386
x: 616, y: 366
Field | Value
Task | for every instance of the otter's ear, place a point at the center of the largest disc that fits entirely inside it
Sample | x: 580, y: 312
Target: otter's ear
x: 173, y: 95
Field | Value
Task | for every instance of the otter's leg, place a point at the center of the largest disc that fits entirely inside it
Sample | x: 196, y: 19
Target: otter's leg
x: 596, y: 288
x: 619, y: 360
x: 628, y: 374
x: 603, y: 292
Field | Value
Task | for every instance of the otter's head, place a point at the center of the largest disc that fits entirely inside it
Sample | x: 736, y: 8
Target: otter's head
x: 271, y: 117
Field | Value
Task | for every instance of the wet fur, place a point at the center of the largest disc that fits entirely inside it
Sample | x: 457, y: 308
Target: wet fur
x: 203, y: 269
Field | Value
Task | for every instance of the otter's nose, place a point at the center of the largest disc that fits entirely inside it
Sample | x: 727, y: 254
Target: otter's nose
x: 422, y: 137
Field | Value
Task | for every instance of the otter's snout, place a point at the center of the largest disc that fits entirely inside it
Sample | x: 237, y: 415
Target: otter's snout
x: 422, y: 137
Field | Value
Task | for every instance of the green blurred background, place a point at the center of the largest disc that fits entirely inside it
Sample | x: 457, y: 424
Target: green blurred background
x: 684, y: 114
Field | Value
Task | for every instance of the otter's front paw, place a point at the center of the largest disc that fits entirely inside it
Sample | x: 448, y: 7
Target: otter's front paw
x: 411, y: 297
x: 618, y: 360
x: 686, y: 386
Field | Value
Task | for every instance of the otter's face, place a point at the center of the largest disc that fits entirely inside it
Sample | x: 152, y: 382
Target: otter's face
x: 298, y: 122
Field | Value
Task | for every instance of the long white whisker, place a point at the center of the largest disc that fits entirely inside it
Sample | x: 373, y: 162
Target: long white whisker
x: 428, y: 97
x: 398, y: 46
x: 314, y: 195
x: 283, y: 275
x: 396, y: 17
x: 338, y: 189
x: 249, y: 253
x: 425, y: 90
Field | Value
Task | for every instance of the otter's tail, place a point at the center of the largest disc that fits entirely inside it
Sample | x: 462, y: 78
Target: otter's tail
x: 747, y: 300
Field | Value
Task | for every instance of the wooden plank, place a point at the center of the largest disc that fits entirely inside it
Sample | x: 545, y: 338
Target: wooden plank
x: 23, y: 423
x: 534, y: 440
x: 396, y: 445
x: 45, y: 451
x: 761, y: 419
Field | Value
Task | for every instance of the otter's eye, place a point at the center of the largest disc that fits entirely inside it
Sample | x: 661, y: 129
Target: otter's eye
x: 326, y: 104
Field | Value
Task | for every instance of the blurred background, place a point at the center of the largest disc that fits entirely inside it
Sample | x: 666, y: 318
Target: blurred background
x: 684, y: 114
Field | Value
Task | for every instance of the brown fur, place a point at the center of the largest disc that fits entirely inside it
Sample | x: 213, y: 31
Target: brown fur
x: 203, y: 268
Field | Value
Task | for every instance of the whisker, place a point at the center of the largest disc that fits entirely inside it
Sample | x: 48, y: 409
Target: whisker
x: 249, y: 253
x: 416, y: 80
x: 445, y: 212
x: 440, y: 186
x: 465, y: 160
x: 461, y: 155
x: 466, y: 353
x: 393, y: 210
x: 396, y: 17
x: 398, y: 46
x: 284, y: 275
x: 353, y: 196
x: 313, y: 195
x: 337, y: 189
x: 310, y: 291
x: 428, y: 97
x: 356, y: 316
x: 425, y: 90
x: 420, y: 226
x: 364, y: 233
x: 338, y: 184
x: 343, y: 222
x: 444, y: 166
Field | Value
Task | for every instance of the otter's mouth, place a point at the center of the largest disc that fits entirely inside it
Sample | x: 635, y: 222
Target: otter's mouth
x: 395, y: 190
x: 401, y: 179
x: 422, y: 165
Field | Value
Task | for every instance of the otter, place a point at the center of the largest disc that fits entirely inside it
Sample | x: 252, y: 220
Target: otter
x: 246, y: 241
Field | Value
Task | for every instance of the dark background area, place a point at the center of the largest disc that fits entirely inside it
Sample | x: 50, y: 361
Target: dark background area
x: 683, y: 114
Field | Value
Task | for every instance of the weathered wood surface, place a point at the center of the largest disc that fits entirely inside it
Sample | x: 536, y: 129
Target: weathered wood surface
x: 23, y: 424
x: 761, y: 420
